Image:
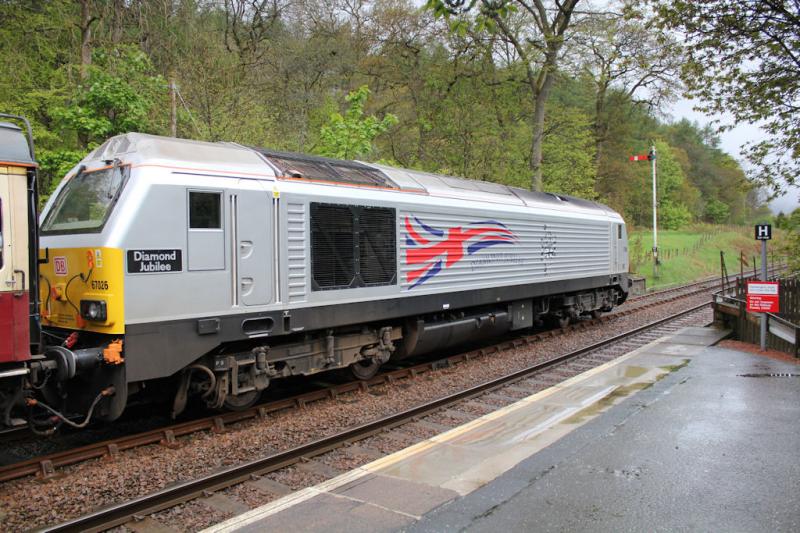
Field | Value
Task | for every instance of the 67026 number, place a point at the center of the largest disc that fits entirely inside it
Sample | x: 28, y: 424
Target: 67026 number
x: 100, y: 285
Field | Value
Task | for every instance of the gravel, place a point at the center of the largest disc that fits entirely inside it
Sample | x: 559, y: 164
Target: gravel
x: 99, y: 483
x: 192, y: 516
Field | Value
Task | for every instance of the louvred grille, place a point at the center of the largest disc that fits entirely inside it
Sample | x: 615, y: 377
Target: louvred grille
x: 332, y: 239
x: 336, y: 262
x: 377, y: 245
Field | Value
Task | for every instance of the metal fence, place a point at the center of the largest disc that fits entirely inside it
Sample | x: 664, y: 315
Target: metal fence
x: 783, y: 329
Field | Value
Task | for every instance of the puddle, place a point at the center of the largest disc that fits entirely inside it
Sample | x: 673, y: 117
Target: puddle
x: 634, y: 371
x: 606, y: 401
x: 673, y: 368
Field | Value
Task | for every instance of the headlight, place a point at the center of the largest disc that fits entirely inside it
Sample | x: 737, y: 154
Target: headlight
x: 94, y: 310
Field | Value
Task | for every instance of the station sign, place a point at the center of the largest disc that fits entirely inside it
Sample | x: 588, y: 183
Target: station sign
x: 763, y: 232
x: 762, y: 297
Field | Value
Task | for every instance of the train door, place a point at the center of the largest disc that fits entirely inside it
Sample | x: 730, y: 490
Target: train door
x: 622, y: 249
x: 253, y: 246
x: 619, y: 248
x: 14, y: 258
x: 614, y: 237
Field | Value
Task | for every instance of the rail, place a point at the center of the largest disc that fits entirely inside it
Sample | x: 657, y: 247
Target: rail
x: 46, y: 466
x: 119, y: 514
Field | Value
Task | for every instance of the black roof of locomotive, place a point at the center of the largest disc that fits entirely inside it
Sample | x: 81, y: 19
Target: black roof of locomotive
x: 295, y: 165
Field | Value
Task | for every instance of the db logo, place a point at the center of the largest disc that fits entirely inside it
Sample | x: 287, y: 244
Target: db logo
x: 60, y: 266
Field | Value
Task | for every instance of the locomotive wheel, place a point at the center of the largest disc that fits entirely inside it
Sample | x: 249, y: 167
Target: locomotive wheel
x: 241, y: 402
x: 364, y: 369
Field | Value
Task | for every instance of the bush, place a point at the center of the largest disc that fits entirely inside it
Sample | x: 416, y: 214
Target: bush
x: 673, y: 216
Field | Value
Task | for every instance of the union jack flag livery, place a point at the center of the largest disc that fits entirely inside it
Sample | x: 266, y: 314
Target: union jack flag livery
x: 436, y: 249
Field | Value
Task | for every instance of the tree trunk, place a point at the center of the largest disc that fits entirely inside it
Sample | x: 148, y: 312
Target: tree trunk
x: 541, y: 92
x: 539, y: 101
x: 173, y: 115
x: 86, y: 37
x: 600, y: 122
x: 553, y: 36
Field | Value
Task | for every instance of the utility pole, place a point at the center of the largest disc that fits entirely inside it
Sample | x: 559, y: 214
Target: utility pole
x: 652, y: 157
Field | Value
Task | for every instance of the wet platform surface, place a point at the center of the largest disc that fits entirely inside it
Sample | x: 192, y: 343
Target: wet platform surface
x: 667, y: 437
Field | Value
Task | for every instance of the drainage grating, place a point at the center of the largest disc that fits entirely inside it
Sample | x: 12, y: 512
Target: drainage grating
x: 778, y: 375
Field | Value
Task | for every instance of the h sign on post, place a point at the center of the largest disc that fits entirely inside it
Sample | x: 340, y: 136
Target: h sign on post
x: 763, y: 232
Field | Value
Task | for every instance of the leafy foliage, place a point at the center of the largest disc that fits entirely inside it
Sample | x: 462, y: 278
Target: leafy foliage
x: 743, y: 60
x: 350, y: 136
x: 568, y: 166
x: 116, y: 97
x: 716, y: 212
x: 273, y: 73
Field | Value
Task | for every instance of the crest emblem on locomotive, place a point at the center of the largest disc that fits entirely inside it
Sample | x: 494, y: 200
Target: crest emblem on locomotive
x: 433, y: 250
x: 548, y: 247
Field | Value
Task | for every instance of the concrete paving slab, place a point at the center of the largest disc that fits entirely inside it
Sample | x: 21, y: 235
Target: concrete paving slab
x: 670, y: 349
x: 332, y: 514
x: 699, y: 336
x: 433, y: 466
x: 397, y: 494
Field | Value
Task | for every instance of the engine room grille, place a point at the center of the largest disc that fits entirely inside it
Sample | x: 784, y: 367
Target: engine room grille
x: 352, y: 246
x: 332, y: 243
x: 321, y: 168
x: 376, y: 239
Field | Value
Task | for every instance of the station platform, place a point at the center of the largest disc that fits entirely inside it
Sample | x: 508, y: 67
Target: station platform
x: 676, y: 435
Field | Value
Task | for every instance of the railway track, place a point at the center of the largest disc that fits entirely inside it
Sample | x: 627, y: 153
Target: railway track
x: 45, y: 466
x: 21, y: 432
x: 205, y: 486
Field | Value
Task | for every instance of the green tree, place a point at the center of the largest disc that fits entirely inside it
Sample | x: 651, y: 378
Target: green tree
x: 780, y: 220
x: 742, y: 59
x: 675, y: 194
x: 716, y: 211
x: 624, y: 56
x: 568, y: 164
x: 791, y: 247
x: 536, y: 31
x: 351, y: 135
x: 117, y: 96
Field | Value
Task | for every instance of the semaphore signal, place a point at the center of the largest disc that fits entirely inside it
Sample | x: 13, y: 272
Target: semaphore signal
x: 651, y: 156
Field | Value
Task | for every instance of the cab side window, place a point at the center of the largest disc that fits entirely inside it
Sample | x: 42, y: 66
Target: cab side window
x: 206, y: 238
x: 205, y: 210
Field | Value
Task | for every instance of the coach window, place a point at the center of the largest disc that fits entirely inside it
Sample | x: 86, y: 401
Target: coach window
x: 206, y: 239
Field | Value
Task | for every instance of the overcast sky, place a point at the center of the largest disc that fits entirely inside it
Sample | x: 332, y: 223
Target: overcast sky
x: 732, y: 141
